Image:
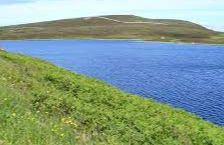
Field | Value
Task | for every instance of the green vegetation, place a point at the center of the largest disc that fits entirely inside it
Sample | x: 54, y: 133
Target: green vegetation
x: 96, y: 27
x: 41, y: 104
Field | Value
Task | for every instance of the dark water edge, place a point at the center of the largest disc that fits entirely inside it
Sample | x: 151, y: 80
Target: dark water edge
x: 188, y: 76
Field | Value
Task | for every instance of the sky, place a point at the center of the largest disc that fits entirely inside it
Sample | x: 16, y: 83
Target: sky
x: 209, y: 13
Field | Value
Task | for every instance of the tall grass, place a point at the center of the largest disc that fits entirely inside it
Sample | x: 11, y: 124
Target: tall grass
x: 41, y: 104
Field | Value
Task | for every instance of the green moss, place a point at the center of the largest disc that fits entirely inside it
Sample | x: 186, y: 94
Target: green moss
x: 42, y: 104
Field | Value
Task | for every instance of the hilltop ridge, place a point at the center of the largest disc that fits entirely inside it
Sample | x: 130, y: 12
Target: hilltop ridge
x: 115, y: 26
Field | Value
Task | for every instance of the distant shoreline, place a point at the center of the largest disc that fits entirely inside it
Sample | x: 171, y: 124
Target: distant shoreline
x: 111, y: 39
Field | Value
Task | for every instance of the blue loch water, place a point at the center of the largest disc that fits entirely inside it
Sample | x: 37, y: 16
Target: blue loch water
x: 183, y: 75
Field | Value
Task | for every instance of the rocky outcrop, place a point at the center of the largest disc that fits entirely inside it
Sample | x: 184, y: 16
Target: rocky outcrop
x: 2, y: 49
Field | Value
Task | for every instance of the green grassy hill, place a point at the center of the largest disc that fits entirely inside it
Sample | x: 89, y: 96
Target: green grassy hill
x: 115, y: 26
x: 41, y: 104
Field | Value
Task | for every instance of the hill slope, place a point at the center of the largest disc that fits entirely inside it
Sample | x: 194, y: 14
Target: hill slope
x: 42, y: 104
x: 115, y: 26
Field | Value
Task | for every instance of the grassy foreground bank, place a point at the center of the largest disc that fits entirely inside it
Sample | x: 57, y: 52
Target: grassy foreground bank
x: 41, y: 104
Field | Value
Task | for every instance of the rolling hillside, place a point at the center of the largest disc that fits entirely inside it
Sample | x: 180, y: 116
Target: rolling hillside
x: 41, y: 104
x: 115, y: 26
